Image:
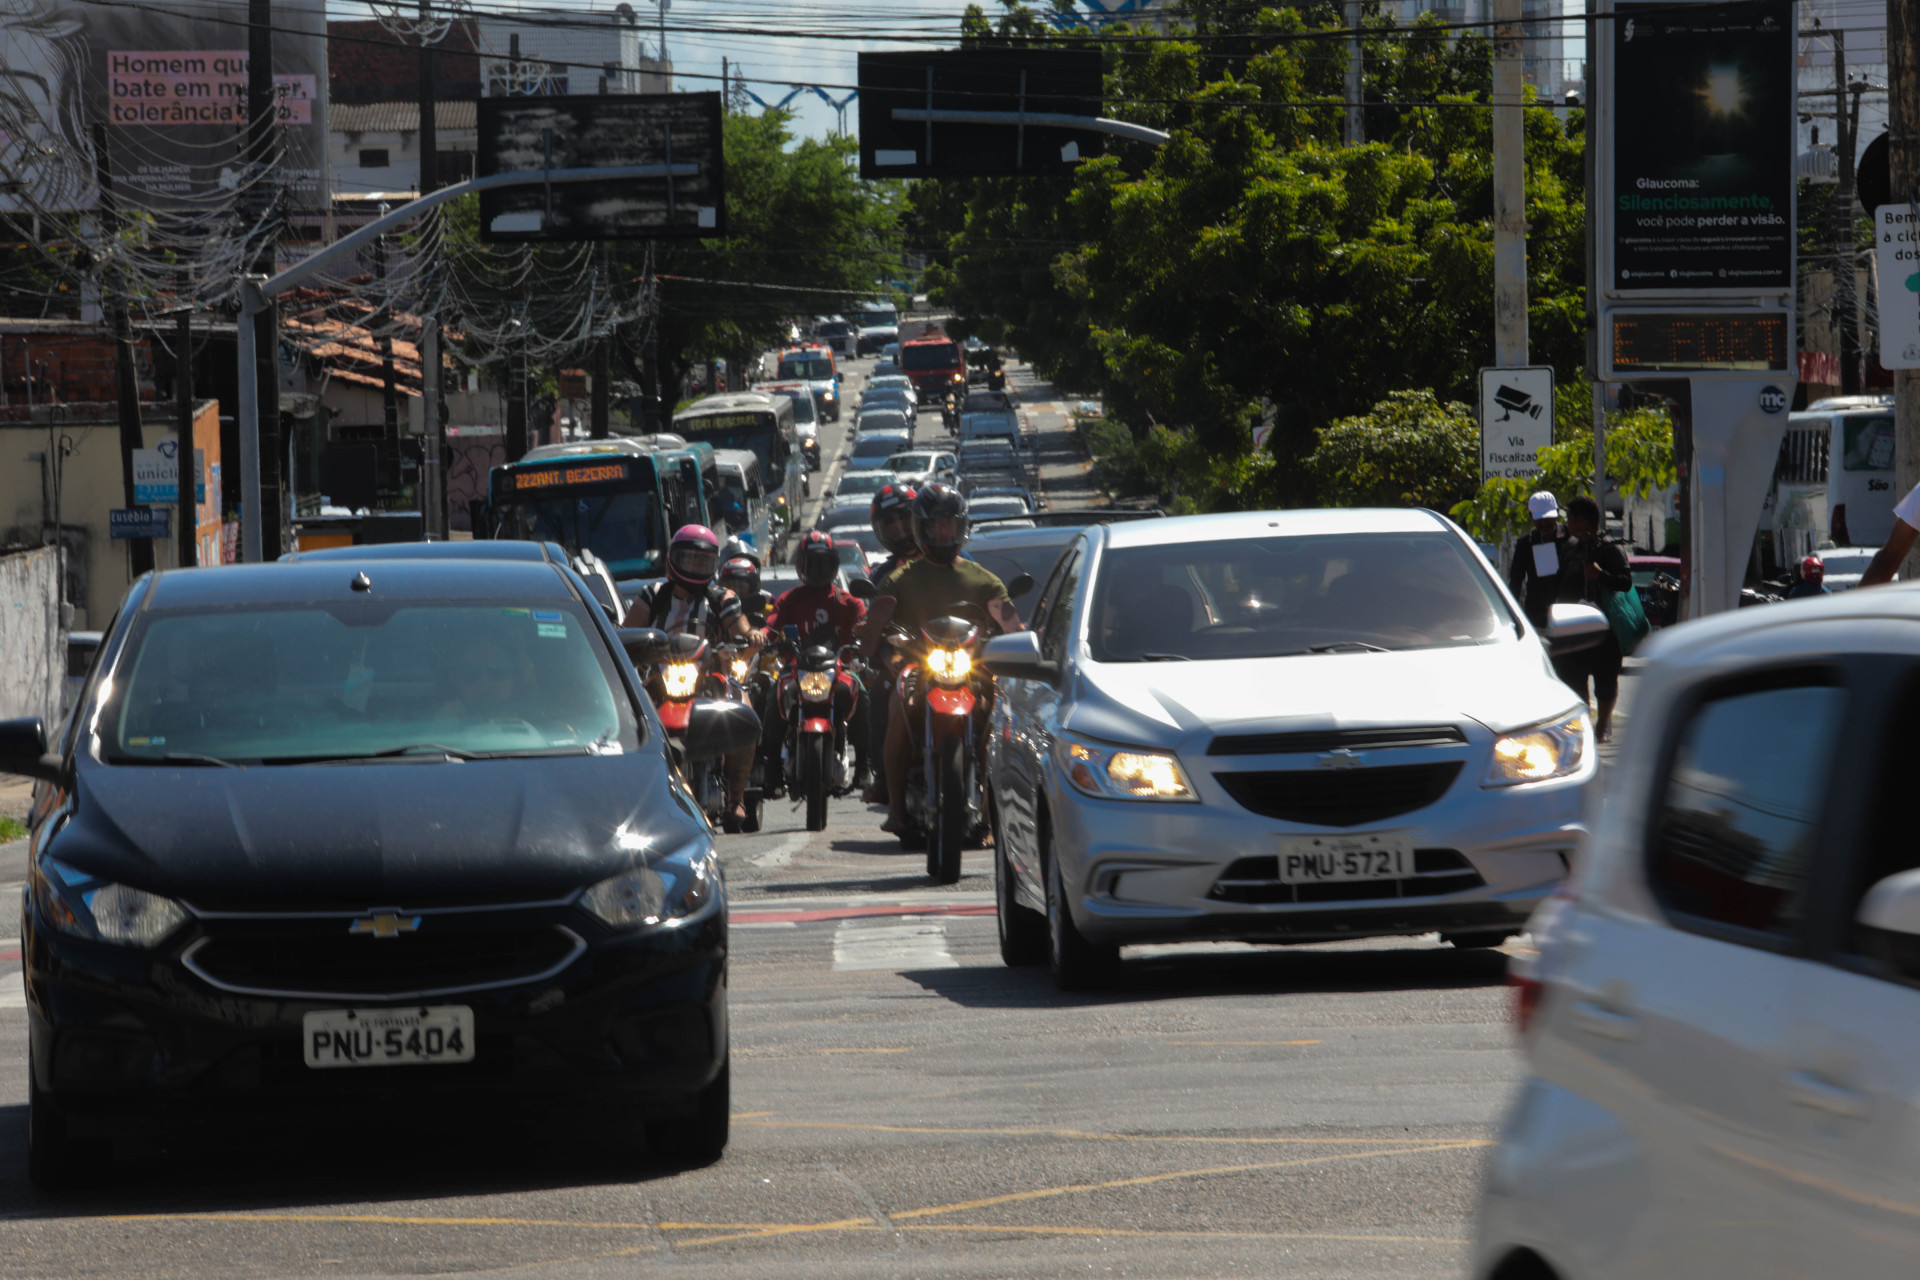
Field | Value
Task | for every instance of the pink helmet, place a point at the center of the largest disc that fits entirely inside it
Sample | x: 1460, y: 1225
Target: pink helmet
x: 693, y: 555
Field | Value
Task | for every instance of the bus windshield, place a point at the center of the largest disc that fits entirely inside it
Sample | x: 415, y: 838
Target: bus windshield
x: 919, y: 357
x: 812, y: 368
x: 754, y: 431
x: 617, y: 527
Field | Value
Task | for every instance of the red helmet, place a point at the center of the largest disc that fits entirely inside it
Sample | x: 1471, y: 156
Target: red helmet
x: 816, y: 559
x: 892, y: 513
x: 1812, y: 569
x: 692, y: 555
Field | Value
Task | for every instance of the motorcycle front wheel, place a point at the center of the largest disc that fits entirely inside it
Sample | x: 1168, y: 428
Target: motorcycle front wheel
x: 813, y: 773
x: 949, y: 834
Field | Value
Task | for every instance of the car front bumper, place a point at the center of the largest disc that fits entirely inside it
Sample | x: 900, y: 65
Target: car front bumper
x: 1152, y: 872
x: 638, y: 1020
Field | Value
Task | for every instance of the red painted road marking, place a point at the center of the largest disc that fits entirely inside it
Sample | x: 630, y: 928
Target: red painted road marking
x: 850, y: 913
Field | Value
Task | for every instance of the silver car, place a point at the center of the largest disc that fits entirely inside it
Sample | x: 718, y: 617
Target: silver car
x: 1280, y: 726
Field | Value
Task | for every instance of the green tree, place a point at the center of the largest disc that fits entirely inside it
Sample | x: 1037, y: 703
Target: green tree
x: 1407, y: 451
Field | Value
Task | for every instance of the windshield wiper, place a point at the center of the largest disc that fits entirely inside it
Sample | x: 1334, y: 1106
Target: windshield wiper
x: 1165, y: 657
x: 194, y: 757
x: 1360, y: 646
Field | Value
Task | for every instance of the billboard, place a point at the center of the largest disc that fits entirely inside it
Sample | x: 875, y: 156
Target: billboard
x: 525, y: 135
x: 1703, y: 163
x: 1046, y: 81
x: 170, y: 87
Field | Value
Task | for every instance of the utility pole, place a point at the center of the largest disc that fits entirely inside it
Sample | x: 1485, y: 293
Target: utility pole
x: 517, y: 389
x: 268, y: 456
x: 184, y: 546
x: 126, y: 383
x: 1903, y: 164
x: 1353, y: 129
x: 600, y: 361
x: 1510, y: 191
x: 1846, y: 275
x: 432, y: 491
x: 389, y: 394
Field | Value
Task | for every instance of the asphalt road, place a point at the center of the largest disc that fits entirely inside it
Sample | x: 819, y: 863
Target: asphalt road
x: 904, y: 1106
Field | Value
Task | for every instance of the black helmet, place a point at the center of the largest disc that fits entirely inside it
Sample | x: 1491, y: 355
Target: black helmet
x: 939, y: 522
x: 816, y: 559
x: 892, y: 513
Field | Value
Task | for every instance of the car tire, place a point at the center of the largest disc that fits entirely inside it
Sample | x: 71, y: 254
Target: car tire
x: 813, y: 780
x: 699, y: 1138
x: 1023, y: 931
x: 55, y: 1160
x: 1077, y: 964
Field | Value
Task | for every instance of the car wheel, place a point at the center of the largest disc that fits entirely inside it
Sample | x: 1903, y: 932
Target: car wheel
x: 1078, y: 965
x: 699, y: 1138
x: 1023, y: 932
x: 55, y: 1161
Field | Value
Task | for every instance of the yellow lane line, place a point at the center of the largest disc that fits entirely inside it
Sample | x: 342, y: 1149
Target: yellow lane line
x: 1239, y: 1042
x: 1147, y: 1232
x: 1084, y: 1136
x: 863, y: 1050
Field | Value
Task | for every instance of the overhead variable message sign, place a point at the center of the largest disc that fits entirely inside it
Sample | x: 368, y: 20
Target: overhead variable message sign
x: 526, y: 135
x: 169, y: 83
x: 1038, y: 81
x: 1703, y: 164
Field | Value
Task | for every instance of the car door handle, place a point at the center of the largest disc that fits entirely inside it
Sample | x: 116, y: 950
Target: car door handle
x: 1811, y: 1089
x: 1609, y: 1024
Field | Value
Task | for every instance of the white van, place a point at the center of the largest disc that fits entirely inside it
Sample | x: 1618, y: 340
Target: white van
x: 1834, y: 480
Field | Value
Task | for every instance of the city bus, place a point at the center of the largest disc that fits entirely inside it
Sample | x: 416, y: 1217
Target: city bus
x: 761, y: 423
x: 620, y: 498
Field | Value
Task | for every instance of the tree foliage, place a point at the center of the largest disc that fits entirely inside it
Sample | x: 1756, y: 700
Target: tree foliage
x: 1639, y: 460
x: 1407, y: 451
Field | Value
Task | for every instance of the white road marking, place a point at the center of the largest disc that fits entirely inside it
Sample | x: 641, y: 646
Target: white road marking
x: 783, y: 853
x: 13, y: 991
x: 894, y: 948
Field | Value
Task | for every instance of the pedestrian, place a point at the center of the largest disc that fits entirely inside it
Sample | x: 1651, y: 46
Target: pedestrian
x: 1537, y: 558
x: 1813, y: 572
x: 1594, y: 566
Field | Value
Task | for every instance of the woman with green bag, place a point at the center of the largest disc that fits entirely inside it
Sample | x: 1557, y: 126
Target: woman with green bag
x: 1595, y: 572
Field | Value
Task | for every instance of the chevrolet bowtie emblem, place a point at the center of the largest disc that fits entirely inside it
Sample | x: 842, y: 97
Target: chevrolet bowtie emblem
x: 1340, y: 758
x: 385, y: 924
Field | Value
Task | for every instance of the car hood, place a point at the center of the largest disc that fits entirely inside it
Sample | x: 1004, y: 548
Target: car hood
x: 357, y: 836
x: 1502, y: 686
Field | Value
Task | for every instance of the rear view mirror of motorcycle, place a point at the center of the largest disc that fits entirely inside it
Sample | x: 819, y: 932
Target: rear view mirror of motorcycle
x: 645, y: 646
x: 862, y: 589
x: 1019, y: 585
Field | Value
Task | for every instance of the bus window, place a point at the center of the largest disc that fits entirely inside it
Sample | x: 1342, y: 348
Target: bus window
x: 1868, y: 444
x: 618, y: 527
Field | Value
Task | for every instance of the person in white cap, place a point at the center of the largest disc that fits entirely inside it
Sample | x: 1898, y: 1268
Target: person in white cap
x: 1537, y: 558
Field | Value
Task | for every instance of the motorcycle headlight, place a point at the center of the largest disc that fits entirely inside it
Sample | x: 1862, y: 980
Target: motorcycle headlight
x: 740, y: 669
x: 949, y: 666
x: 816, y: 685
x: 1120, y: 773
x: 88, y: 907
x: 681, y: 679
x: 669, y: 888
x: 1551, y: 750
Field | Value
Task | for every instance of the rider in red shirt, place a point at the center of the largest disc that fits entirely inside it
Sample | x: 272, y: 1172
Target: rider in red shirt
x: 816, y: 604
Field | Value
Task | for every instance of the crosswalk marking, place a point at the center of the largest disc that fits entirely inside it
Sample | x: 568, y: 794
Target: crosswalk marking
x: 13, y: 991
x: 918, y: 944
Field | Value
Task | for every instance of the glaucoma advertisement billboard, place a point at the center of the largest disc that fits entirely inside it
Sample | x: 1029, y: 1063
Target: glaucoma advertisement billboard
x: 1703, y: 146
x: 167, y: 86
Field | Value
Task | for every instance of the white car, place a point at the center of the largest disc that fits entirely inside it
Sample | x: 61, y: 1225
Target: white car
x: 1844, y: 565
x: 1721, y: 1014
x: 891, y: 382
x: 859, y: 486
x: 924, y: 466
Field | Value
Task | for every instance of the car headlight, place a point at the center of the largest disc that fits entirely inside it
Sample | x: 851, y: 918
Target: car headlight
x: 1551, y: 750
x: 1119, y: 773
x: 88, y: 907
x: 816, y: 685
x: 949, y: 666
x: 669, y: 888
x: 681, y: 679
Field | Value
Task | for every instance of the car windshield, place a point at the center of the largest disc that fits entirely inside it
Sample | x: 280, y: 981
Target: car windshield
x: 996, y: 506
x: 617, y: 527
x: 911, y: 462
x: 864, y: 482
x: 811, y: 368
x: 889, y: 382
x: 1266, y: 597
x: 992, y: 453
x: 873, y: 450
x: 363, y: 678
x: 918, y: 356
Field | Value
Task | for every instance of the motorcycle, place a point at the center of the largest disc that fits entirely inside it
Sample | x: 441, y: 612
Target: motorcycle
x: 686, y: 678
x: 944, y: 804
x: 950, y: 412
x: 817, y: 753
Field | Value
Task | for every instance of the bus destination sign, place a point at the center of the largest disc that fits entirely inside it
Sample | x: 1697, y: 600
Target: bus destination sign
x: 555, y: 477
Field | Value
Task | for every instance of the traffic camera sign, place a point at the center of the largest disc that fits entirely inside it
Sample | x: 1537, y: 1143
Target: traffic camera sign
x: 1516, y: 419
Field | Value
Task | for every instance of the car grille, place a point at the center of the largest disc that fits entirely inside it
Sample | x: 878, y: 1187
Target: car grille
x: 1436, y: 872
x: 1341, y: 797
x: 1318, y: 740
x: 343, y: 964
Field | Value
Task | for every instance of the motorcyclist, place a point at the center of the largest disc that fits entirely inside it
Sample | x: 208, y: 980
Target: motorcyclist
x: 1813, y: 573
x: 892, y: 515
x: 741, y: 575
x: 928, y: 588
x: 688, y: 600
x: 813, y: 608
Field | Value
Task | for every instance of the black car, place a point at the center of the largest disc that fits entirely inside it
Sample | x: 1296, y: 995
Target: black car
x: 336, y: 830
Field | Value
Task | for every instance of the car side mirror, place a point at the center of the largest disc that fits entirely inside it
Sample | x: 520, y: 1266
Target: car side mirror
x: 23, y: 749
x: 1888, y: 922
x: 1018, y: 585
x: 1573, y: 627
x: 1017, y: 657
x: 718, y: 727
x: 645, y: 646
x: 862, y: 589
